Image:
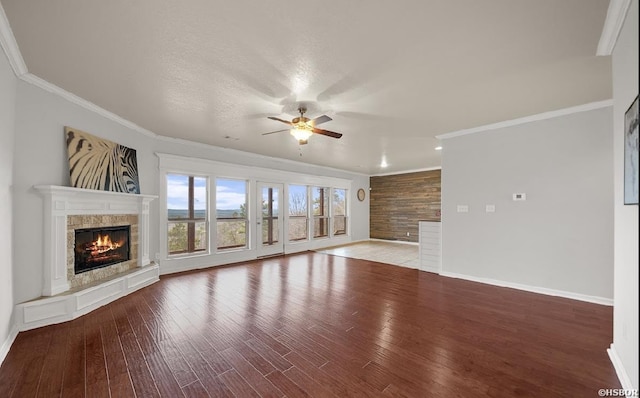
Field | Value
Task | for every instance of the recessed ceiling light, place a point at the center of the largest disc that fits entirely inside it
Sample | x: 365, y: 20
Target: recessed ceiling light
x: 438, y: 148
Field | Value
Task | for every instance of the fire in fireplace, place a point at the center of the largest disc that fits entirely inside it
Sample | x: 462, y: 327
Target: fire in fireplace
x: 99, y: 247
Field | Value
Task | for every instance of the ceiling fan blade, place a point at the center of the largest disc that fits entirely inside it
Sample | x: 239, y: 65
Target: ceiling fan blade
x: 273, y: 132
x: 320, y: 119
x: 280, y: 120
x: 328, y: 133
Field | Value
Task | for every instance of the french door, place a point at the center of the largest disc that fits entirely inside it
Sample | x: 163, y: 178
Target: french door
x: 269, y: 229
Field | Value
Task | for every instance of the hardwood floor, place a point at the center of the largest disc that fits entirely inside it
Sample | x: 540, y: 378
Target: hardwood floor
x: 318, y: 325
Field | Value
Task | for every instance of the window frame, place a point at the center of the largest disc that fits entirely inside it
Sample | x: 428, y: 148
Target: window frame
x: 190, y: 220
x: 247, y: 224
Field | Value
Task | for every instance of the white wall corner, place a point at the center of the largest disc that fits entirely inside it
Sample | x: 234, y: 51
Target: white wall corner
x: 6, y: 345
x: 10, y: 46
x: 612, y: 26
x: 623, y: 376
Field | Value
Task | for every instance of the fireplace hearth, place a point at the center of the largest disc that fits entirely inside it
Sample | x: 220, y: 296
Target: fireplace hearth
x: 100, y: 247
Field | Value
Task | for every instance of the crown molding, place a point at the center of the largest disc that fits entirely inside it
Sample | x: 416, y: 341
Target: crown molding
x: 528, y: 119
x: 612, y: 26
x: 10, y: 46
x: 407, y: 171
x: 52, y: 88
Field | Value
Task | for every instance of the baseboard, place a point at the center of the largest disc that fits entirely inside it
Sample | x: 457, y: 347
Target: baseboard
x: 404, y: 242
x: 624, y: 378
x: 6, y: 345
x: 65, y: 307
x: 533, y: 289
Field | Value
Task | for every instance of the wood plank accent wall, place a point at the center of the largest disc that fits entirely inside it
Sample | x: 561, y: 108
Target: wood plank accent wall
x: 398, y: 202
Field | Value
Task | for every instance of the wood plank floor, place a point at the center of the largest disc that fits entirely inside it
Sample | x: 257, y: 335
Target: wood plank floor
x: 318, y: 325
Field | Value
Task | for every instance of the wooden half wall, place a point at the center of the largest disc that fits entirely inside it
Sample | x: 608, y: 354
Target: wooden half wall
x: 399, y: 201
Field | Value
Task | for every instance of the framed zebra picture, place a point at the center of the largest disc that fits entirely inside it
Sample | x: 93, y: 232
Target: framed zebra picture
x: 96, y: 163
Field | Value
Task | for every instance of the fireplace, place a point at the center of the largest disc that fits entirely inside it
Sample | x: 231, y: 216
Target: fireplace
x: 100, y: 247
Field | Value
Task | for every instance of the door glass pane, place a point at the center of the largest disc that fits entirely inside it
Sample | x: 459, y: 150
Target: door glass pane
x: 268, y: 240
x: 270, y: 222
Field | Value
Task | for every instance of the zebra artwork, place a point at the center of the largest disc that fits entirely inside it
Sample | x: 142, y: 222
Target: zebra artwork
x: 96, y: 163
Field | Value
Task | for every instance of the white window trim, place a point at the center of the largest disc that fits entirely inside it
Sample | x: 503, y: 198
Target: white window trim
x: 212, y: 170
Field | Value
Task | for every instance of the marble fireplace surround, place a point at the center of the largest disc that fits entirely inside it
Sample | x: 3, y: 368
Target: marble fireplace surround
x: 64, y: 295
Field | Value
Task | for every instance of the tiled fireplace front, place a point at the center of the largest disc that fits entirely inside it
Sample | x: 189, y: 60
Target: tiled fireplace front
x: 80, y: 222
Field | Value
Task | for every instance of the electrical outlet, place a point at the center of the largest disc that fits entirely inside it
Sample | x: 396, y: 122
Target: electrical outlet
x: 463, y: 209
x: 519, y: 196
x: 408, y: 233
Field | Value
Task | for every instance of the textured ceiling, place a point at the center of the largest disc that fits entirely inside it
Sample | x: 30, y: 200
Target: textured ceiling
x: 392, y: 75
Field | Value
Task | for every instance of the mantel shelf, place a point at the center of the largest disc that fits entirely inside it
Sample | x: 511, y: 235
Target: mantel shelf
x: 70, y: 191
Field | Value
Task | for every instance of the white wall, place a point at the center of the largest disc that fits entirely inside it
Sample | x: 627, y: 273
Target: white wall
x: 560, y: 239
x: 625, y: 313
x: 7, y: 134
x: 41, y: 158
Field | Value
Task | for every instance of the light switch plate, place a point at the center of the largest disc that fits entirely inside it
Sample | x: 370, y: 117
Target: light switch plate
x: 490, y: 208
x: 463, y: 208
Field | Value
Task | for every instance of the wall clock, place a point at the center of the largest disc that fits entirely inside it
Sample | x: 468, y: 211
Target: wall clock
x: 361, y: 194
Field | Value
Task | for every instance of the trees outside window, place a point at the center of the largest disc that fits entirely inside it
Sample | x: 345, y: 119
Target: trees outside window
x: 339, y: 208
x: 187, y: 227
x: 320, y: 207
x: 298, y: 213
x: 231, y: 214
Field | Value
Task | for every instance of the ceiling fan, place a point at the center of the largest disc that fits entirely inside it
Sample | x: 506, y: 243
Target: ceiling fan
x: 302, y: 127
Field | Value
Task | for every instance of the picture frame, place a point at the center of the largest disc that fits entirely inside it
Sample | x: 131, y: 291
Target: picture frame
x: 100, y: 164
x: 631, y: 158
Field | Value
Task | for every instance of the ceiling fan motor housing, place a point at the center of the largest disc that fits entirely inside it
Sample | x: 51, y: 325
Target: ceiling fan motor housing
x: 300, y: 119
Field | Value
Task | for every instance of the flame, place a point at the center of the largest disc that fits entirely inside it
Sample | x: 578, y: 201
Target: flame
x: 103, y: 245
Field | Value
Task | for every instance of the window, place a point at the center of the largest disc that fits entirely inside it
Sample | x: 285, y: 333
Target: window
x: 339, y: 208
x: 298, y: 216
x: 320, y: 198
x: 231, y: 214
x: 186, y: 214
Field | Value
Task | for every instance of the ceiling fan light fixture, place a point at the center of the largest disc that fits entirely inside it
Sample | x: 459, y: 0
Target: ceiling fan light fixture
x: 301, y: 134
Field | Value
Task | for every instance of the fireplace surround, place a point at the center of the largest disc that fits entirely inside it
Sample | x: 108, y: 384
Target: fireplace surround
x: 67, y: 294
x: 68, y: 208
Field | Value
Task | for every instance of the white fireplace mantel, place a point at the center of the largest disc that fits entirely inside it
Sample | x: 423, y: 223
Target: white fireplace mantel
x: 61, y: 202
